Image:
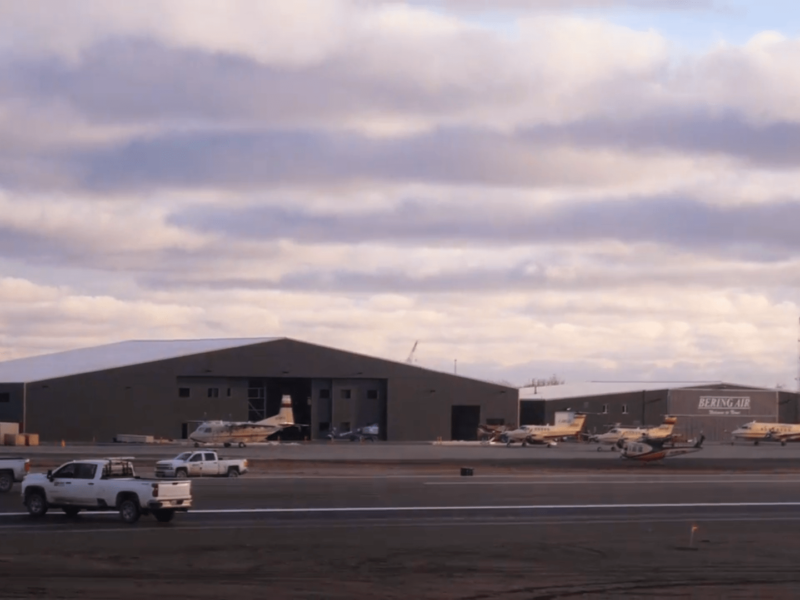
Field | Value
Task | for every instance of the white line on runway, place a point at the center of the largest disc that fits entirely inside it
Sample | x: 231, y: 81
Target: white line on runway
x: 614, y: 482
x: 401, y: 509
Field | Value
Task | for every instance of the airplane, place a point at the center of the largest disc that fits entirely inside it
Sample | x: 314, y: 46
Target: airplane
x: 227, y: 432
x: 613, y: 436
x: 491, y: 434
x: 544, y: 434
x: 647, y: 449
x: 767, y: 432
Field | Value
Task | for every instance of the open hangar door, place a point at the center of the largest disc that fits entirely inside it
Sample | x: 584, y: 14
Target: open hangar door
x: 464, y: 423
x: 264, y: 399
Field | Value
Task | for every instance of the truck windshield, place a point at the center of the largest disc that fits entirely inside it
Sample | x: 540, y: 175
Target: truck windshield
x: 183, y: 456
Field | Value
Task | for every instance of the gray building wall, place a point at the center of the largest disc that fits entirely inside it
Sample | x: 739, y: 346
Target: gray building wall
x: 713, y: 418
x: 144, y: 398
x: 12, y: 406
x: 630, y: 409
x: 716, y: 412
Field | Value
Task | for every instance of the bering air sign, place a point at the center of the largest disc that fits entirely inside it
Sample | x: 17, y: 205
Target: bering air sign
x: 724, y: 405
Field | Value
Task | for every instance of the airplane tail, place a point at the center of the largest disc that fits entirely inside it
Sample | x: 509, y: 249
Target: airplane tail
x: 699, y: 443
x: 577, y: 423
x: 669, y: 424
x: 284, y: 417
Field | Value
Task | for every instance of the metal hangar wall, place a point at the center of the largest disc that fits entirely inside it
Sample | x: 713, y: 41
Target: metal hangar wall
x: 161, y: 387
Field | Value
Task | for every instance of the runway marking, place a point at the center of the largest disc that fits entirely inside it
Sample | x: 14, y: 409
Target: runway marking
x: 615, y: 482
x: 400, y: 509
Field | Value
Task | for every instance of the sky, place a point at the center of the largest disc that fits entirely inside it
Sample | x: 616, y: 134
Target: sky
x: 597, y: 189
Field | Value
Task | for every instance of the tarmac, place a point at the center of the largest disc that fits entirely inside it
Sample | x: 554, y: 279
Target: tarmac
x: 345, y: 457
x: 642, y: 534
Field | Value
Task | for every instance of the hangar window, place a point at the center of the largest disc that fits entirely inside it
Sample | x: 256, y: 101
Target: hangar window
x: 184, y: 392
x: 345, y: 394
x: 605, y: 409
x: 372, y: 394
x: 495, y: 421
x: 5, y: 397
x: 213, y: 392
x: 324, y: 394
x: 624, y: 409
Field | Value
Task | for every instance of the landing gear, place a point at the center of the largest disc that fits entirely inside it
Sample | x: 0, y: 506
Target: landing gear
x: 242, y: 445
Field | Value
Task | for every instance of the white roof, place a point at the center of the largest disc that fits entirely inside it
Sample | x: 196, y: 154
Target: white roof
x: 599, y: 388
x: 111, y: 356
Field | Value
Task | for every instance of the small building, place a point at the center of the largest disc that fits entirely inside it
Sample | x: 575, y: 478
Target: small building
x: 164, y: 388
x: 714, y: 408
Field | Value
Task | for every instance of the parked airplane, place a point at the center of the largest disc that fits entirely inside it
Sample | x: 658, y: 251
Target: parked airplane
x: 227, y: 433
x: 767, y: 432
x: 649, y: 450
x: 544, y: 434
x: 614, y: 436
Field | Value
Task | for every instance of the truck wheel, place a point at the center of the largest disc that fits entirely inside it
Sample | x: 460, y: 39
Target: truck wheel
x: 233, y: 472
x: 6, y: 482
x: 36, y: 503
x: 71, y: 511
x: 164, y: 515
x: 129, y: 511
x: 181, y: 474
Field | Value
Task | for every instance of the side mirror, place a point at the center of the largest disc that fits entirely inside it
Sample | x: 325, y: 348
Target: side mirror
x: 50, y: 474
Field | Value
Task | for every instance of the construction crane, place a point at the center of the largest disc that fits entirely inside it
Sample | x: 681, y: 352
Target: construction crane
x: 410, y: 358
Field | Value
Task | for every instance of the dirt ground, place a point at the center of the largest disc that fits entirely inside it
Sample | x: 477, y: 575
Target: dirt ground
x: 455, y: 560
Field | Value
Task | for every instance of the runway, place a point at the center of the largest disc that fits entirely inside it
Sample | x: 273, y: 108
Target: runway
x: 506, y: 537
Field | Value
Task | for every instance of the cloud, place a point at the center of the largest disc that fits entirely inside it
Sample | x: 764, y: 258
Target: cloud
x: 767, y: 231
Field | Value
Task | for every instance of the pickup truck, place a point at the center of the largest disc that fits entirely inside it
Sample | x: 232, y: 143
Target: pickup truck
x: 102, y: 485
x: 201, y: 463
x: 12, y: 469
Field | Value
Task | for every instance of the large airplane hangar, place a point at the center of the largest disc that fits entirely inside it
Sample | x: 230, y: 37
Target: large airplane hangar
x: 163, y: 388
x: 714, y: 408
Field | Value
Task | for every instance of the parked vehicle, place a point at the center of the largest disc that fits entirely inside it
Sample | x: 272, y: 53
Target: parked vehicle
x: 362, y: 434
x: 12, y: 470
x: 101, y: 485
x: 201, y: 463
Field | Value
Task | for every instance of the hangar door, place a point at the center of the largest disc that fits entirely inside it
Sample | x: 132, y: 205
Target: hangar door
x: 464, y: 423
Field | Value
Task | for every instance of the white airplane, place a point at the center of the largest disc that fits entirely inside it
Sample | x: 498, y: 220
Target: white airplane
x: 618, y: 435
x: 544, y: 434
x: 227, y: 433
x: 767, y: 432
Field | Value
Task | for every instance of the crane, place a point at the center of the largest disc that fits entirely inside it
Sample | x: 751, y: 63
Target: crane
x: 410, y: 358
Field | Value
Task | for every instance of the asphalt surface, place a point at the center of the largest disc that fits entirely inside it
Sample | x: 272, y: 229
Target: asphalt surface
x: 560, y: 536
x: 315, y: 458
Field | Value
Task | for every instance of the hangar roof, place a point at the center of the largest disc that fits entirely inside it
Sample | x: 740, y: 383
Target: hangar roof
x: 112, y: 356
x: 600, y: 388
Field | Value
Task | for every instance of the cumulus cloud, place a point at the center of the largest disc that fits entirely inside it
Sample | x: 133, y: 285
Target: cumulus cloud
x: 570, y: 195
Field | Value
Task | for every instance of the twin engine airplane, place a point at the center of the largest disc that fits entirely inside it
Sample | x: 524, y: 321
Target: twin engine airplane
x: 767, y: 432
x: 227, y: 432
x: 544, y: 434
x: 647, y: 449
x: 614, y: 437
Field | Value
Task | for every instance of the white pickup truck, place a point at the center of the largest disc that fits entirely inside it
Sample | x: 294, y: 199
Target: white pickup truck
x: 201, y: 463
x: 12, y: 469
x: 102, y: 485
